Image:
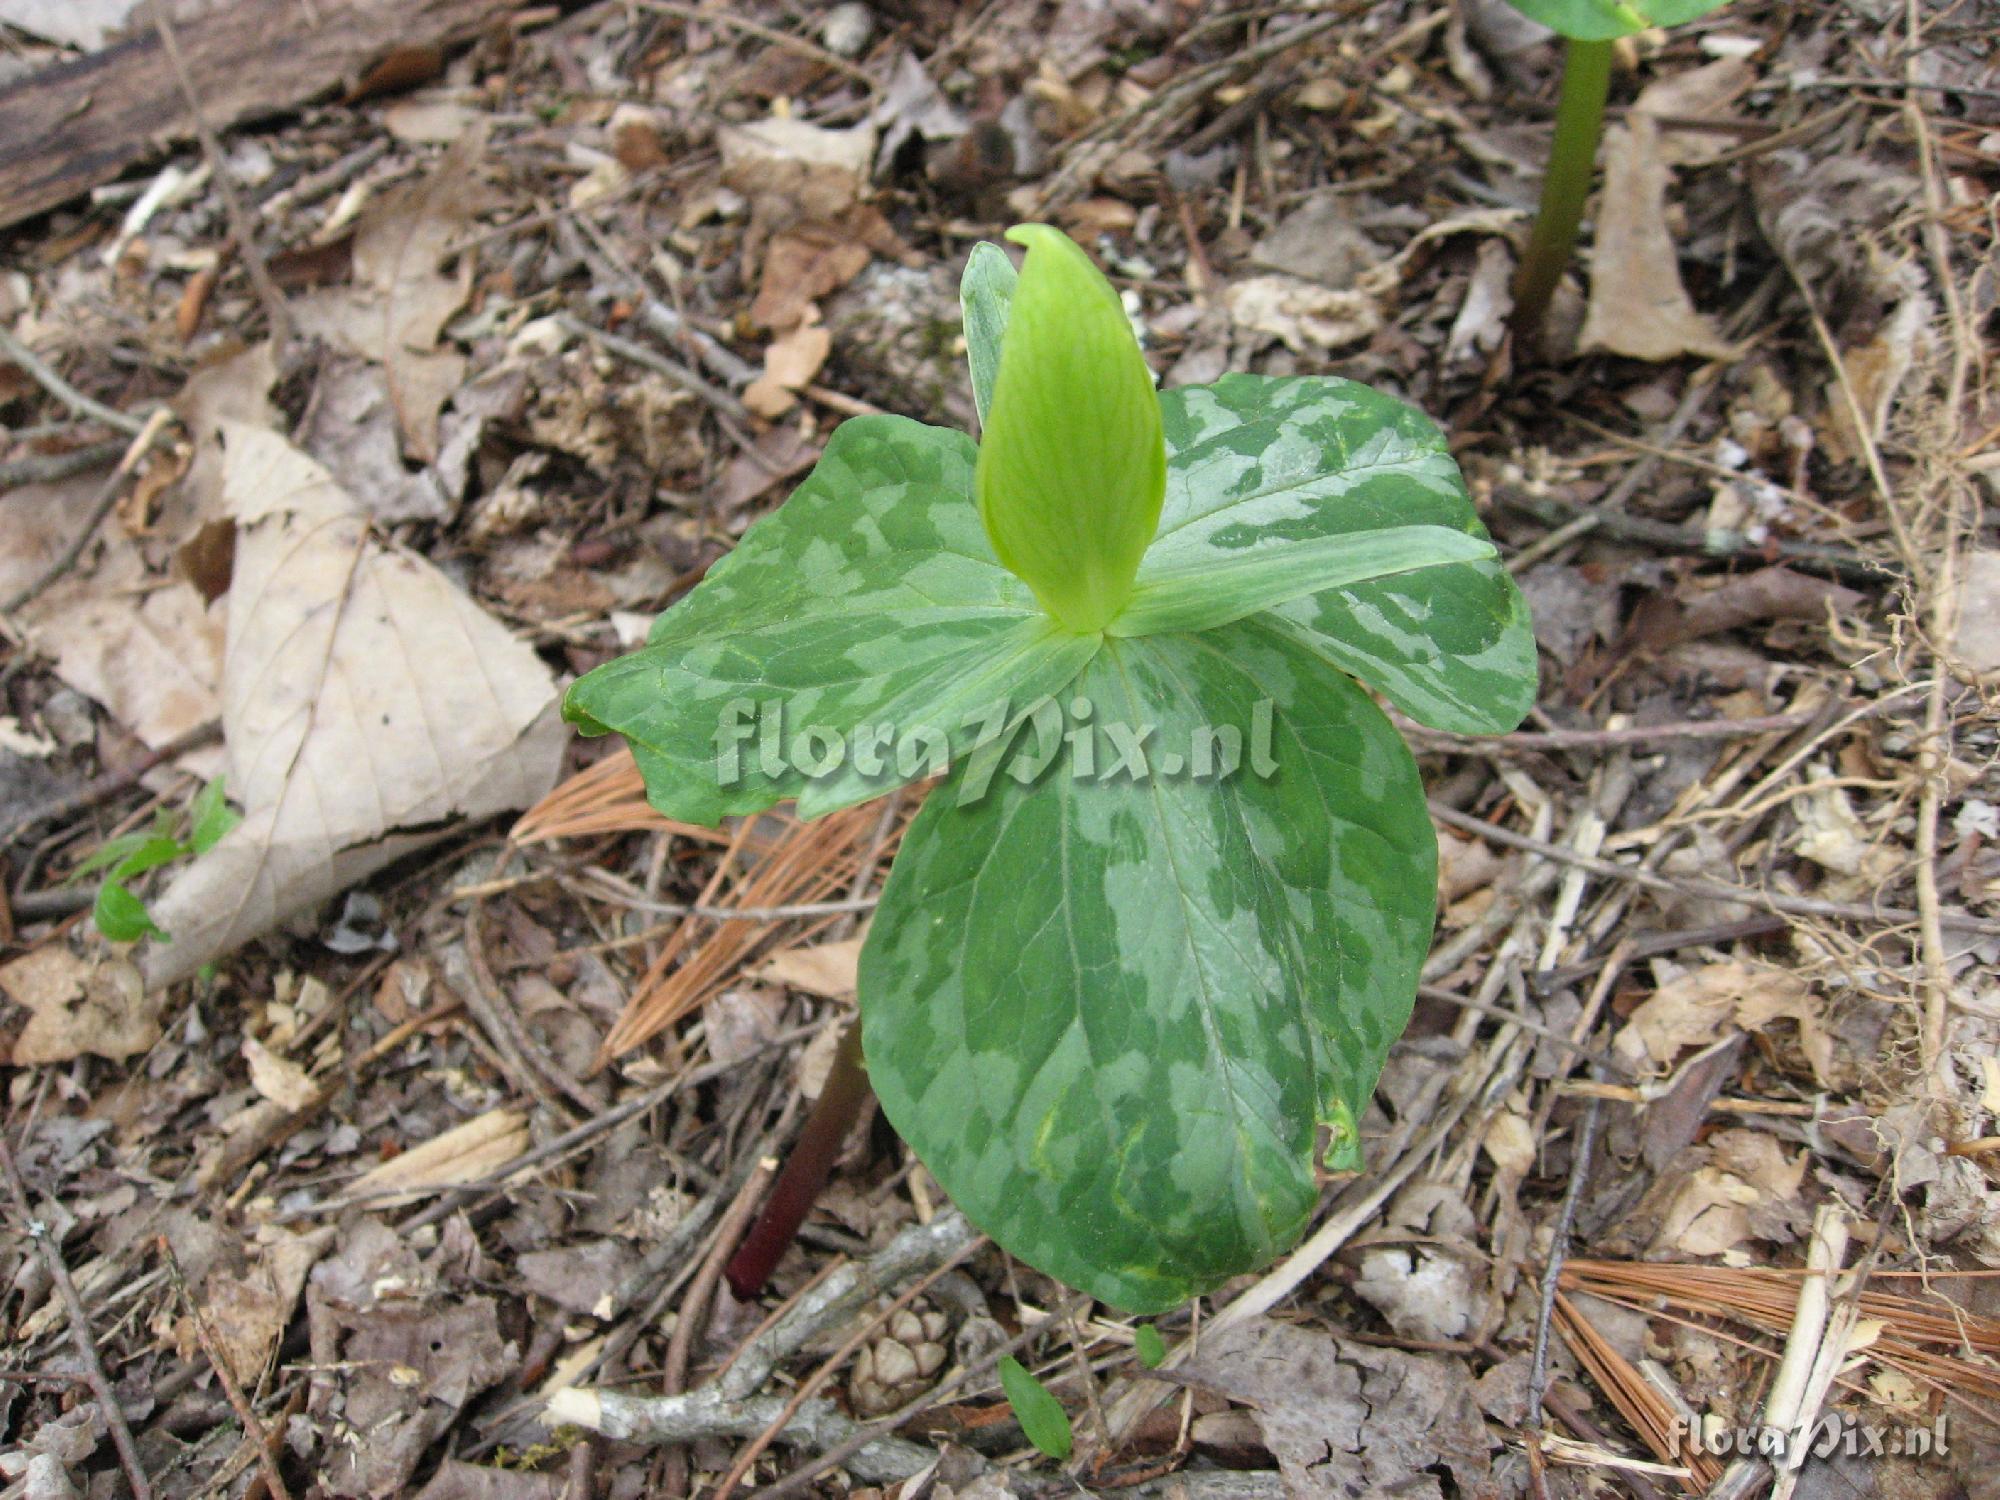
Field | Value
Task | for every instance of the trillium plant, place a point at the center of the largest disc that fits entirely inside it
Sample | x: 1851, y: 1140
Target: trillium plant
x: 1588, y: 28
x: 1145, y: 947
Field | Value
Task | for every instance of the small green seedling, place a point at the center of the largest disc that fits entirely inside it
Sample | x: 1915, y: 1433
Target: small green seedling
x: 1144, y: 950
x: 1588, y: 27
x: 1041, y: 1416
x: 175, y: 834
x: 1149, y: 1346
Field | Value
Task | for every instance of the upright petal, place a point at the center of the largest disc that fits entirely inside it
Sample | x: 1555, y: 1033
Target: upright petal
x: 1072, y: 466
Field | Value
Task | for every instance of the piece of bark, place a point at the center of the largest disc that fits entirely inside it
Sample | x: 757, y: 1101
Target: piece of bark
x: 68, y: 128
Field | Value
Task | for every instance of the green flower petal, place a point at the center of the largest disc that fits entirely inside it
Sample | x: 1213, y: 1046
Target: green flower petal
x: 1073, y: 465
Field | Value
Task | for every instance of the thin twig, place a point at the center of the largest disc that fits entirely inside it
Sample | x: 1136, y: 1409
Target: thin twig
x: 1714, y: 890
x: 749, y: 1456
x: 800, y: 1478
x: 79, y: 1327
x: 47, y: 468
x: 776, y: 38
x: 253, y: 1429
x: 1606, y: 739
x: 218, y: 165
x: 111, y: 783
x: 651, y: 359
x: 694, y: 1306
x: 45, y: 376
x: 1579, y: 1173
x: 107, y: 497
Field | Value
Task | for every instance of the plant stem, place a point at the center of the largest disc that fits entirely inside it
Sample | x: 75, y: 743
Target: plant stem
x: 1579, y: 120
x: 811, y: 1161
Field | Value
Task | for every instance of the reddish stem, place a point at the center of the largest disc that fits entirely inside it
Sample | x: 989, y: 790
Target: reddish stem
x: 804, y: 1176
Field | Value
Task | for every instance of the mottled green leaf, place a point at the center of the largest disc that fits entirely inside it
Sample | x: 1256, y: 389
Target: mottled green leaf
x: 1256, y: 463
x: 122, y: 916
x: 1041, y: 1416
x: 1602, y: 20
x: 1201, y: 593
x: 1110, y: 1009
x: 850, y: 639
x: 985, y: 295
x: 1071, y: 465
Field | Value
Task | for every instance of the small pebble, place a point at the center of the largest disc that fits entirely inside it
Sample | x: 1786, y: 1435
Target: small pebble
x: 847, y: 28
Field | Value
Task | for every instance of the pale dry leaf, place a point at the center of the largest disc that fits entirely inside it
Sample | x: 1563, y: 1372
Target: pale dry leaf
x: 234, y: 388
x: 1347, y: 1419
x: 827, y: 970
x: 278, y: 1079
x: 149, y: 651
x: 87, y: 24
x: 1978, y: 637
x: 1424, y: 1294
x: 1708, y: 1215
x: 1302, y: 315
x: 465, y: 1153
x: 912, y: 106
x: 402, y: 296
x: 1833, y: 837
x: 429, y: 119
x: 791, y: 360
x: 351, y: 428
x: 369, y: 707
x: 249, y: 1313
x: 790, y: 169
x: 1481, y: 323
x: 1703, y: 95
x: 78, y: 1005
x: 1638, y: 307
x: 1694, y: 1010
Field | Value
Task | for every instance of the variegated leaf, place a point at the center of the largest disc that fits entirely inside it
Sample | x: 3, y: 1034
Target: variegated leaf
x: 1256, y: 464
x: 1604, y: 20
x: 866, y: 619
x: 1110, y: 1009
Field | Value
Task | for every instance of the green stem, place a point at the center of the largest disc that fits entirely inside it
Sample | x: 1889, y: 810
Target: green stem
x: 1579, y: 120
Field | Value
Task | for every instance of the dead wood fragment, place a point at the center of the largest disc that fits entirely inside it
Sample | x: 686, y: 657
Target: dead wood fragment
x: 119, y: 106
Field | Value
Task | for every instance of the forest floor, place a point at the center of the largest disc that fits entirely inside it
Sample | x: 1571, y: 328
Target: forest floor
x: 431, y: 1110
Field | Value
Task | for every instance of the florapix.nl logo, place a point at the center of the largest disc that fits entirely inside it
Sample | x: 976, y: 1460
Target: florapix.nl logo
x: 1067, y: 737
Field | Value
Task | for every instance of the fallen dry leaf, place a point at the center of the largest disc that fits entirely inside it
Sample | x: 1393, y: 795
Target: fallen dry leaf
x: 465, y: 1153
x: 1346, y: 1419
x: 278, y: 1079
x: 803, y: 265
x: 792, y: 170
x: 1693, y: 1010
x: 1302, y: 315
x: 149, y: 652
x: 250, y: 1312
x: 1638, y: 307
x: 78, y: 1005
x: 790, y: 363
x: 1699, y: 95
x: 87, y: 24
x: 827, y: 970
x: 369, y: 705
x: 351, y: 428
x: 402, y: 297
x: 1978, y: 635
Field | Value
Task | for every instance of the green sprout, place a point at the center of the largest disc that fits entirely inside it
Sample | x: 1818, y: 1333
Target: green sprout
x: 1041, y: 1416
x: 1588, y: 27
x: 1144, y: 950
x: 175, y: 834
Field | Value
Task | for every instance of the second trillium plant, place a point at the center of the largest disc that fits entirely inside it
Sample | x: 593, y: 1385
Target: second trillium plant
x: 1120, y: 1001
